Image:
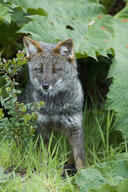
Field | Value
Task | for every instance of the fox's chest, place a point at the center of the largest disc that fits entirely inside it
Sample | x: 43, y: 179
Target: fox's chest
x: 54, y: 109
x: 53, y: 105
x: 60, y: 121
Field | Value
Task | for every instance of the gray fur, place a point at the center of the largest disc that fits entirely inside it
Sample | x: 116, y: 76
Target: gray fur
x: 63, y: 99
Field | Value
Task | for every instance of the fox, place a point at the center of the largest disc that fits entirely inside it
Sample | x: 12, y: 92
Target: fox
x: 53, y: 78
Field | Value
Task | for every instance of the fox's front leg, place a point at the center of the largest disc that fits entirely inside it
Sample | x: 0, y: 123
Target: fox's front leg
x: 75, y: 136
x: 44, y: 128
x: 76, y: 140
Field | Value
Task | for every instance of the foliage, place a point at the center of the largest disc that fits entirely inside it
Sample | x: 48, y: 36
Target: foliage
x: 15, y: 121
x: 34, y: 169
x: 104, y: 177
x: 5, y: 13
x: 101, y: 141
x: 95, y: 33
x: 117, y: 95
x: 11, y: 19
x: 67, y: 22
x: 3, y: 177
x: 99, y: 35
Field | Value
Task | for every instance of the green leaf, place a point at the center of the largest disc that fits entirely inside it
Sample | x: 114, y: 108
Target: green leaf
x: 90, y: 178
x: 105, y: 177
x: 19, y: 17
x: 35, y: 5
x: 93, y: 32
x: 42, y: 28
x: 5, y: 13
x: 83, y: 21
x: 62, y: 8
x: 118, y: 95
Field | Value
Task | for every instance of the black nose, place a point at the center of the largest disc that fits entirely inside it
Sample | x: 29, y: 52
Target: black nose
x: 45, y: 85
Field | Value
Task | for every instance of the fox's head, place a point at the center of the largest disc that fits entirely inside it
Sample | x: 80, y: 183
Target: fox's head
x: 51, y: 66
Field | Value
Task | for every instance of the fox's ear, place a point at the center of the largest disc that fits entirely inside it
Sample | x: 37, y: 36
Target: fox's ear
x: 65, y: 48
x: 32, y: 47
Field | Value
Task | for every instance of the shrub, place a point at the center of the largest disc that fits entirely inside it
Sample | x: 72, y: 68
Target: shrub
x: 15, y: 121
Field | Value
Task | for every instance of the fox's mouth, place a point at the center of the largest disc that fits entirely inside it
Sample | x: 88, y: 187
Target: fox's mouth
x: 47, y: 88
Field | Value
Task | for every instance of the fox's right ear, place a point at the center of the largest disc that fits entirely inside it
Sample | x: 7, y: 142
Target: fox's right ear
x: 65, y: 49
x: 32, y: 47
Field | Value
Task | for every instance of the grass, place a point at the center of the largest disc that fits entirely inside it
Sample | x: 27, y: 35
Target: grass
x: 36, y: 168
x: 102, y: 143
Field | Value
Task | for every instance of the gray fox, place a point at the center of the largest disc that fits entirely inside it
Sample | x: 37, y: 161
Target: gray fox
x: 53, y: 78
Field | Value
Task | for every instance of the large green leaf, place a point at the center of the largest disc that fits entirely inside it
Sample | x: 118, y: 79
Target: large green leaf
x: 86, y: 38
x: 5, y: 13
x: 104, y: 177
x: 32, y: 4
x: 118, y: 93
x: 61, y: 7
x: 83, y: 21
x: 51, y: 28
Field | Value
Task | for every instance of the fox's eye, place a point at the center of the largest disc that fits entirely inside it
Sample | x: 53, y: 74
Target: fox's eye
x: 56, y: 70
x: 38, y: 70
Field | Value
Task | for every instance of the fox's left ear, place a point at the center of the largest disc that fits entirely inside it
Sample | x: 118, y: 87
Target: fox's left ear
x: 65, y: 48
x: 32, y: 46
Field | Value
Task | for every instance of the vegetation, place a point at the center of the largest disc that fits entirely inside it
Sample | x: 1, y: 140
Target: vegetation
x: 101, y: 46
